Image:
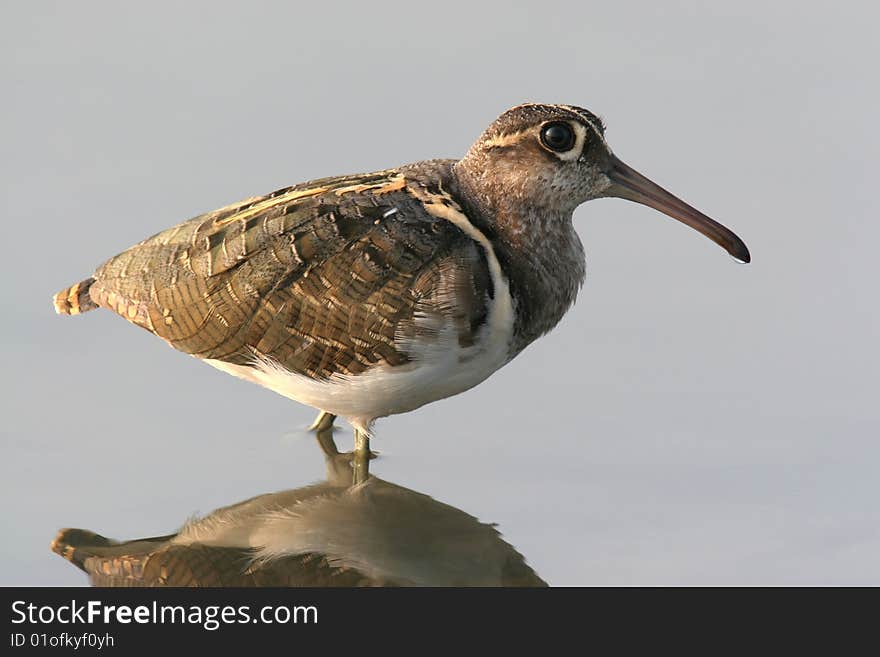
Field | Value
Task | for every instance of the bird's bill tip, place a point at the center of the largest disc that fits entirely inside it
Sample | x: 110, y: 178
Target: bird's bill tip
x: 629, y: 184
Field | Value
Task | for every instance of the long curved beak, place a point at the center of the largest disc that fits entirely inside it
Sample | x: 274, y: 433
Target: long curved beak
x: 628, y: 183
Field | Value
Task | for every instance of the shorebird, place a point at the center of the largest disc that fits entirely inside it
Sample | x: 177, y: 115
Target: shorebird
x: 374, y: 294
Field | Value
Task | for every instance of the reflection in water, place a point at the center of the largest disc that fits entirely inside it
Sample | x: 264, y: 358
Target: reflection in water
x: 327, y: 534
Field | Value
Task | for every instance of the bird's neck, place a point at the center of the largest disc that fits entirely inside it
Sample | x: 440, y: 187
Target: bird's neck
x: 535, y: 243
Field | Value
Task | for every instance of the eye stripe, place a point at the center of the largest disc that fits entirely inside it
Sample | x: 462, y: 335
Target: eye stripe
x: 508, y: 139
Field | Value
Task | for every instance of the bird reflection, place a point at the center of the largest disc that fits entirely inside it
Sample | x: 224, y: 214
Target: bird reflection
x: 331, y: 533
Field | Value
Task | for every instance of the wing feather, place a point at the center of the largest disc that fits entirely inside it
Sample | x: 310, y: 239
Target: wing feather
x: 332, y: 276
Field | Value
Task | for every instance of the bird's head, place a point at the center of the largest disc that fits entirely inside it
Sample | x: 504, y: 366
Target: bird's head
x: 555, y: 157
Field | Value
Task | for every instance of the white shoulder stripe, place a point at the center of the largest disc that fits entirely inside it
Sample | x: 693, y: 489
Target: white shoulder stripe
x: 444, y: 206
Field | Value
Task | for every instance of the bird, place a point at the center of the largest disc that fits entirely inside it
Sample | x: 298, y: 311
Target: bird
x: 373, y: 294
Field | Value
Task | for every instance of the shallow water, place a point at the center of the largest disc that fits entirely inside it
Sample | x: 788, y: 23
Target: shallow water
x: 689, y: 422
x: 335, y: 532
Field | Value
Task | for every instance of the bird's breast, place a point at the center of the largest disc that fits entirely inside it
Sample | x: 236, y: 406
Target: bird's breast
x: 545, y: 273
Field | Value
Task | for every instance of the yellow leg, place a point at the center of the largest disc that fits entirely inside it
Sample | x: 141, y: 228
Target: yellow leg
x: 323, y: 421
x: 361, y: 458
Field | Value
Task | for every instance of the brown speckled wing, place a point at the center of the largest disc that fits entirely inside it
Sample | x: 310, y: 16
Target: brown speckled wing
x: 331, y: 276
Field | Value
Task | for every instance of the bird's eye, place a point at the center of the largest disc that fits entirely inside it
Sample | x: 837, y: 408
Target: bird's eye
x: 557, y: 136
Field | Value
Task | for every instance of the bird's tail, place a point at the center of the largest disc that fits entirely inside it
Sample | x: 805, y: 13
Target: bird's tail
x: 77, y: 545
x: 75, y: 299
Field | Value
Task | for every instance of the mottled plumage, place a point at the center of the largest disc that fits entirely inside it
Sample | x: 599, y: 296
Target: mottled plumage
x: 325, y: 278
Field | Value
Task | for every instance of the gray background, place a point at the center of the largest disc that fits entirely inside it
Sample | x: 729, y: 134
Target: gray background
x: 691, y: 421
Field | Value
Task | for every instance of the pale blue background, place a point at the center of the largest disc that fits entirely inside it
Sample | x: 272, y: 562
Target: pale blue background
x: 691, y: 421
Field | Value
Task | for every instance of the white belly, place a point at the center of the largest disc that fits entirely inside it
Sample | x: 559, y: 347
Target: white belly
x: 443, y: 371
